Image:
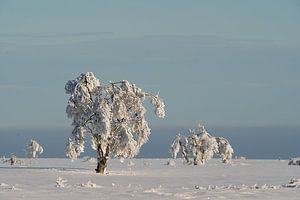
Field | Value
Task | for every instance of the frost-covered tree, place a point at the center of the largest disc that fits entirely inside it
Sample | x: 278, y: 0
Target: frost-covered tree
x: 33, y: 148
x: 113, y: 115
x: 180, y: 143
x: 175, y: 147
x: 202, y: 145
x: 294, y: 161
x: 13, y: 159
x: 224, y: 149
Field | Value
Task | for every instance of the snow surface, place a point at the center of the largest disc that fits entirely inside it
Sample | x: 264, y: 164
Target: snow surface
x: 148, y: 179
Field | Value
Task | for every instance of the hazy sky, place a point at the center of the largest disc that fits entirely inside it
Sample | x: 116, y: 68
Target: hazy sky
x: 225, y: 63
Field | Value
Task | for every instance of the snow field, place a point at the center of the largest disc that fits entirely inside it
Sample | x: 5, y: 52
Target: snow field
x: 149, y: 179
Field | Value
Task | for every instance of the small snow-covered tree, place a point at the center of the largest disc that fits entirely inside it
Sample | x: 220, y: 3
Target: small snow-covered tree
x: 202, y: 145
x: 224, y: 149
x: 180, y: 143
x: 13, y: 159
x: 112, y: 114
x: 33, y: 148
x: 175, y: 147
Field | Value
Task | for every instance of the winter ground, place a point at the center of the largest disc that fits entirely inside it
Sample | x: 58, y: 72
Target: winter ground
x: 148, y: 179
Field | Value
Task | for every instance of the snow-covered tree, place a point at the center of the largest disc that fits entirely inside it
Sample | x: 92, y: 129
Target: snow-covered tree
x: 294, y: 161
x: 33, y: 148
x: 175, y: 147
x: 202, y: 145
x: 224, y: 149
x: 180, y: 143
x: 13, y: 159
x: 112, y: 114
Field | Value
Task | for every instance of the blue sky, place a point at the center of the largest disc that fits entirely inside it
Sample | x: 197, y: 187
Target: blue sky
x: 225, y: 63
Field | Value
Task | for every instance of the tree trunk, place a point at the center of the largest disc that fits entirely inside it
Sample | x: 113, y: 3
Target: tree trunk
x: 102, y: 160
x: 185, y: 153
x: 186, y: 157
x: 101, y: 165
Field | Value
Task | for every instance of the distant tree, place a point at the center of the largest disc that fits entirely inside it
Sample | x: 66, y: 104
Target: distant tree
x: 112, y: 114
x: 175, y: 147
x: 33, y: 148
x: 180, y: 142
x: 294, y: 161
x: 13, y: 159
x: 202, y: 145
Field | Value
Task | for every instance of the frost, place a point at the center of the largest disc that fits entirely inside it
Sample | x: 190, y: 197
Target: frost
x: 113, y: 115
x: 202, y: 146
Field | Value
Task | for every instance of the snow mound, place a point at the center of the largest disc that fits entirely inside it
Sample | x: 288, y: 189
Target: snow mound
x: 8, y: 187
x: 90, y: 184
x: 240, y: 158
x: 184, y: 196
x: 130, y: 164
x: 159, y: 191
x: 294, y: 183
x: 171, y: 163
x: 3, y: 185
x: 14, y: 187
x: 89, y: 159
x: 237, y: 187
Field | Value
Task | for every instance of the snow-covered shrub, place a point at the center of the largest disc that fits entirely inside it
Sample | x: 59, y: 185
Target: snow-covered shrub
x: 3, y: 159
x: 33, y: 148
x: 113, y: 115
x: 60, y: 182
x: 202, y: 145
x: 13, y: 159
x: 294, y: 161
x: 294, y: 183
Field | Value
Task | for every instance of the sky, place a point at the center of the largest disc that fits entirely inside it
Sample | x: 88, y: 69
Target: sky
x: 222, y: 63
